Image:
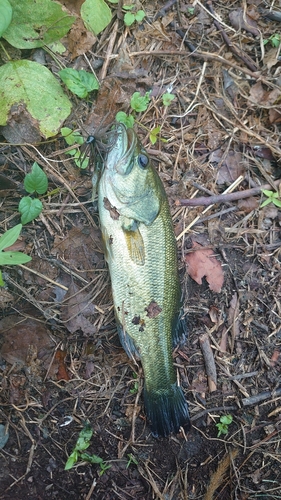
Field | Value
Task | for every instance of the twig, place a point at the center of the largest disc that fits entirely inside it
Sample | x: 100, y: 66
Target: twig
x: 223, y: 198
x: 209, y: 362
x: 262, y: 396
x: 244, y: 57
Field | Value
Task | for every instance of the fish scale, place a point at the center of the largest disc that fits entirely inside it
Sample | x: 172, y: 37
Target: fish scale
x: 141, y: 253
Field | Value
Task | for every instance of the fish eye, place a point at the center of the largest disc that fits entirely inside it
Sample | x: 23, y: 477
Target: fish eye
x: 143, y: 160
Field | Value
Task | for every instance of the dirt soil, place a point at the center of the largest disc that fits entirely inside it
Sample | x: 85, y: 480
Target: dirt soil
x: 61, y: 366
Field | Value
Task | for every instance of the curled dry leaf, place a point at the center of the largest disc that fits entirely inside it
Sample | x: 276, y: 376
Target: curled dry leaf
x: 202, y: 263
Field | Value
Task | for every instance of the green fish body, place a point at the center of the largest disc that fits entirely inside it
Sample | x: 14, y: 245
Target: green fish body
x: 141, y: 253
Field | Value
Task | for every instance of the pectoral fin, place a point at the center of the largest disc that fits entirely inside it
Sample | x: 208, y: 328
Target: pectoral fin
x: 135, y: 246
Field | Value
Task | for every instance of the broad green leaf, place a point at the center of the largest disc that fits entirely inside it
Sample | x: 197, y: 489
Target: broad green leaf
x: 129, y: 18
x: 6, y: 13
x: 140, y: 102
x: 79, y: 82
x: 96, y: 15
x: 36, y: 23
x: 29, y: 209
x: 226, y: 419
x: 32, y: 84
x: 72, y: 137
x: 36, y: 180
x: 168, y: 98
x: 9, y: 237
x: 13, y: 258
x: 140, y: 15
x: 128, y: 120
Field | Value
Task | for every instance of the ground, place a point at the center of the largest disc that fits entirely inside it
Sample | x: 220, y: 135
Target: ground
x: 62, y: 367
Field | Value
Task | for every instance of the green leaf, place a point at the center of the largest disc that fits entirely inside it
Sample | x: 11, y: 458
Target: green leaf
x: 266, y: 202
x: 79, y: 82
x: 93, y: 459
x: 33, y: 85
x: 13, y: 258
x: 10, y: 236
x: 226, y: 419
x: 96, y: 15
x: 128, y: 120
x: 2, y: 282
x: 29, y: 209
x: 72, y: 137
x: 129, y: 18
x: 277, y: 203
x: 128, y: 7
x: 267, y: 193
x: 36, y: 23
x: 153, y: 136
x: 36, y: 180
x: 72, y: 459
x: 140, y: 103
x: 168, y: 98
x: 6, y: 13
x: 140, y: 15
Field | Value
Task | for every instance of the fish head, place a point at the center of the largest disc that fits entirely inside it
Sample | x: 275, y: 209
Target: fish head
x: 131, y: 182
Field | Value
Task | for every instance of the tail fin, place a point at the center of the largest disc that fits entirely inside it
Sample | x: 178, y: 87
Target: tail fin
x: 167, y: 410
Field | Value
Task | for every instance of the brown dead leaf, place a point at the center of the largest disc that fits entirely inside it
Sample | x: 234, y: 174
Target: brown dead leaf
x: 132, y: 410
x: 21, y: 336
x: 21, y: 126
x: 247, y: 205
x: 202, y: 263
x: 77, y: 310
x: 232, y: 167
x: 233, y: 314
x: 241, y: 21
x: 80, y: 40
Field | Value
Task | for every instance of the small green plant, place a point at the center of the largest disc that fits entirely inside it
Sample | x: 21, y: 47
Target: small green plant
x: 154, y: 135
x: 135, y: 388
x: 168, y: 98
x: 72, y: 138
x: 274, y: 40
x: 225, y: 421
x: 83, y: 442
x: 131, y: 460
x: 132, y: 15
x: 11, y: 258
x: 34, y: 182
x: 80, y: 83
x: 272, y: 197
x: 138, y: 104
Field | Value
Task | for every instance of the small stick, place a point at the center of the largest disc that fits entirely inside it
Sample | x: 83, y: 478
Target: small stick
x: 245, y: 58
x: 209, y: 362
x: 223, y: 198
x: 261, y: 397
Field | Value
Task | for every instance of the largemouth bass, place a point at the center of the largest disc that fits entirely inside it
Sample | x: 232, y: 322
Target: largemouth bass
x: 141, y: 253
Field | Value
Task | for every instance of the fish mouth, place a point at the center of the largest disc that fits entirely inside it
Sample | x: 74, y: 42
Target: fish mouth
x: 123, y: 145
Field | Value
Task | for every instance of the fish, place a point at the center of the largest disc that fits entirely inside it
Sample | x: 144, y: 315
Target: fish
x: 141, y: 254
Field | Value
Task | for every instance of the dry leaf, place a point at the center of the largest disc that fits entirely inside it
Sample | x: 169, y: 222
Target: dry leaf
x: 20, y: 335
x: 248, y: 204
x: 232, y: 167
x: 202, y: 263
x: 77, y: 310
